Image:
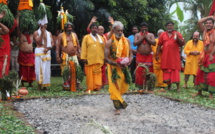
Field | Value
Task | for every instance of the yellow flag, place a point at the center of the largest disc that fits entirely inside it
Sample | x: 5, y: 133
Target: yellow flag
x: 30, y: 3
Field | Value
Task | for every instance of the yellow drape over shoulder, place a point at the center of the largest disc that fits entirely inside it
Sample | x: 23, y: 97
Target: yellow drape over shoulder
x: 122, y: 46
x: 191, y: 60
x: 64, y: 40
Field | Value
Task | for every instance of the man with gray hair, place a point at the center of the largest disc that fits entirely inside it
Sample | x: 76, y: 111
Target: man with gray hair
x: 118, y: 55
x: 156, y: 64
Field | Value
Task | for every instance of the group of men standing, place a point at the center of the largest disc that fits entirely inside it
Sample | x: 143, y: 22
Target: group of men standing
x: 161, y: 56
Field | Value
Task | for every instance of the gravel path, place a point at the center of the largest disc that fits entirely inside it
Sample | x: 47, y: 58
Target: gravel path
x: 145, y: 114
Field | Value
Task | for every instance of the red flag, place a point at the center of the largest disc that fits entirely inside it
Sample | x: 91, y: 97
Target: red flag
x: 212, y: 8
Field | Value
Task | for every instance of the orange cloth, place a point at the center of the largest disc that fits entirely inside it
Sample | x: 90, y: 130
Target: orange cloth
x: 92, y: 51
x: 93, y: 77
x: 206, y: 36
x: 3, y: 1
x: 122, y: 46
x: 72, y: 76
x: 25, y: 5
x: 118, y: 88
x: 191, y: 66
x: 156, y: 67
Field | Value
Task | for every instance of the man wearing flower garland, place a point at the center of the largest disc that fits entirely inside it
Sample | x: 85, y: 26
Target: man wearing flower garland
x: 92, y: 53
x: 67, y: 52
x: 143, y: 40
x: 118, y: 55
x: 205, y: 75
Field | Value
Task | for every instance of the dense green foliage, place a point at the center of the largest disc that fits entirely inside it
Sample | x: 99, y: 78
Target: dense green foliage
x: 196, y: 8
x: 154, y: 12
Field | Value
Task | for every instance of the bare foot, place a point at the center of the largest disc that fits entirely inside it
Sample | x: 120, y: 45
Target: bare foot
x: 211, y: 96
x: 117, y: 112
x: 197, y: 94
x: 185, y: 86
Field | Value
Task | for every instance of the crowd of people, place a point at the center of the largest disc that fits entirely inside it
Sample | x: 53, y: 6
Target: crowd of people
x: 112, y: 58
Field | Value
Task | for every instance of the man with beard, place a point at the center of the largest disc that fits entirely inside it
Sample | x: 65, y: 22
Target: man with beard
x: 132, y: 66
x: 143, y: 41
x: 92, y: 53
x: 117, y: 51
x: 192, y: 49
x: 170, y: 41
x: 205, y: 76
x: 44, y: 42
x: 67, y: 52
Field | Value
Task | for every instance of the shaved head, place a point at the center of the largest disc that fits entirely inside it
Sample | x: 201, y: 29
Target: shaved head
x: 101, y: 30
x: 196, y: 36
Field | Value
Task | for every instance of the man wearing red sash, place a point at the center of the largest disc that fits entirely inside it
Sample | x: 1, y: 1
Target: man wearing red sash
x: 143, y: 40
x: 205, y: 75
x: 170, y: 42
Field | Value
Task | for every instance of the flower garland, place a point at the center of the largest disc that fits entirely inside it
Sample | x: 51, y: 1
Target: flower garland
x: 116, y: 52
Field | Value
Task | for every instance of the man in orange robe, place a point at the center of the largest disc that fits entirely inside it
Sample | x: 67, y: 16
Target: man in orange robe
x: 156, y: 64
x: 92, y: 53
x: 170, y: 41
x: 192, y: 49
x: 118, y: 47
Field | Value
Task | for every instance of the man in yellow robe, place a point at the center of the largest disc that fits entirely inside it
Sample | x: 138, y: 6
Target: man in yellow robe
x: 119, y: 76
x: 92, y: 53
x: 156, y: 64
x: 192, y: 49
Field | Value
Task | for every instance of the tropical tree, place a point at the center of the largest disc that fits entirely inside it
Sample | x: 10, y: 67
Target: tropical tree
x: 154, y: 12
x: 195, y: 7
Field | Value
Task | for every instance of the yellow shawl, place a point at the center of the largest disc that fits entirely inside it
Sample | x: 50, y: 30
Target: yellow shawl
x: 122, y: 46
x: 65, y: 40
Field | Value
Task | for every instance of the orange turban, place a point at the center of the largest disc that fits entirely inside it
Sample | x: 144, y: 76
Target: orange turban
x: 25, y: 5
x: 3, y: 1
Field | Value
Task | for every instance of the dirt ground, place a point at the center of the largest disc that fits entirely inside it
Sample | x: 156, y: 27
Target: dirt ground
x: 145, y: 114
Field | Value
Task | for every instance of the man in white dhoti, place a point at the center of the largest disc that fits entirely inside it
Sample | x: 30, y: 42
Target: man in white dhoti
x: 43, y: 39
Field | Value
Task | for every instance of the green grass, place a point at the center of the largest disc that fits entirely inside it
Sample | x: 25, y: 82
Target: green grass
x: 185, y: 95
x: 11, y: 124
